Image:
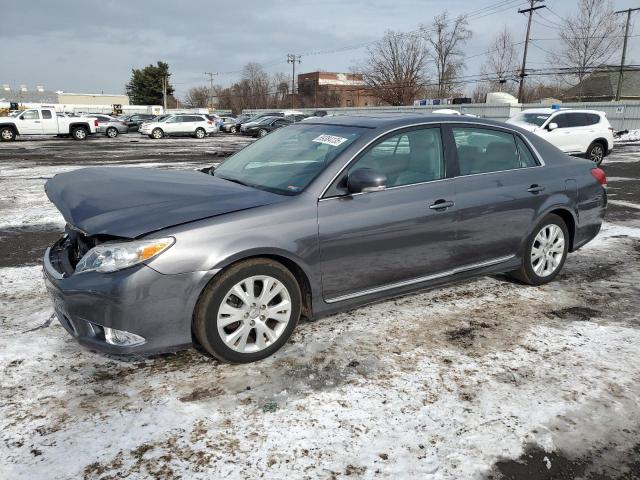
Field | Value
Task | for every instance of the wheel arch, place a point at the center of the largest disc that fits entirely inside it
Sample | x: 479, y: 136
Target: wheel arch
x: 567, y: 215
x: 12, y: 126
x: 84, y: 125
x: 602, y: 141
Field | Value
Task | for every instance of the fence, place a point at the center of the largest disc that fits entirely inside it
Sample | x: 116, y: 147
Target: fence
x: 622, y: 115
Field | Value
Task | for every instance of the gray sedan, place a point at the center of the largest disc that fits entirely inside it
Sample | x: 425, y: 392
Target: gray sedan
x: 321, y: 216
x: 110, y: 126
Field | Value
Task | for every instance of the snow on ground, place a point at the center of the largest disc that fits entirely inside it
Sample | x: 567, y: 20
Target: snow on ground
x: 433, y: 385
x: 631, y: 136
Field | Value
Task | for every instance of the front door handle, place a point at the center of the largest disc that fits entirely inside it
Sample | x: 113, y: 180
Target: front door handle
x: 441, y: 204
x: 535, y: 188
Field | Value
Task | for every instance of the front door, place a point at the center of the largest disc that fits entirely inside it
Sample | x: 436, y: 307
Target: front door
x: 29, y: 123
x: 403, y: 233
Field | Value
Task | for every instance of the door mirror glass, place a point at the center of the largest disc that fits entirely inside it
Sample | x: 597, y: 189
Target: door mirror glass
x: 552, y: 126
x: 365, y: 180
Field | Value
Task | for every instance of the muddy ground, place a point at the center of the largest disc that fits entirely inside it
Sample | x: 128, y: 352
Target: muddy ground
x: 483, y: 379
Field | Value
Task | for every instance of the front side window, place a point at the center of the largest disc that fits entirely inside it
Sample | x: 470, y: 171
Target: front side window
x: 287, y: 160
x: 414, y: 156
x: 483, y: 151
x: 562, y: 120
x: 31, y: 115
x: 174, y: 119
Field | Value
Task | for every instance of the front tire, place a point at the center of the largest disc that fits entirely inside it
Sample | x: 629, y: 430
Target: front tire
x: 248, y: 312
x: 262, y: 132
x: 233, y: 130
x: 596, y: 153
x: 7, y: 134
x: 545, y: 252
x: 157, y: 133
x: 200, y: 133
x: 112, y: 132
x: 79, y: 133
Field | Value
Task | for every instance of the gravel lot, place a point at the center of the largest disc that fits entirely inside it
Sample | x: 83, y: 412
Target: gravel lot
x: 483, y: 379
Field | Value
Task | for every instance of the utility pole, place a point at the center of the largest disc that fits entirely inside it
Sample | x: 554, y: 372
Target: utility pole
x: 164, y: 92
x: 211, y: 75
x: 624, y: 49
x: 530, y: 11
x: 292, y: 58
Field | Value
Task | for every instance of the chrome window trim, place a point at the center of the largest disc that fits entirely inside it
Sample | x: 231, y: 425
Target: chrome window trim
x: 426, y: 278
x: 434, y: 124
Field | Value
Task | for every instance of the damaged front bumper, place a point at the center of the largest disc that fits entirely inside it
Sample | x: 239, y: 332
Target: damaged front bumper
x: 132, y: 311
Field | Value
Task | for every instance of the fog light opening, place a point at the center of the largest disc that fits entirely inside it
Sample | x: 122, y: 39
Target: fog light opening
x: 121, y: 338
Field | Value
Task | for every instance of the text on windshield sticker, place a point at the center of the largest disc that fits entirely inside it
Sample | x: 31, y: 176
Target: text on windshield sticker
x: 330, y: 140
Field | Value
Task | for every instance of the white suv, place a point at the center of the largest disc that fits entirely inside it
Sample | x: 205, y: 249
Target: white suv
x: 585, y: 133
x: 195, y: 125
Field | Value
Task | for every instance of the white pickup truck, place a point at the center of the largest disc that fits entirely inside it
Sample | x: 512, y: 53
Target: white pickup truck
x: 45, y: 121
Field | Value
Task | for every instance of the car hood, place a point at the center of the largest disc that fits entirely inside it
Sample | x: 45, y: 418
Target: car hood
x: 129, y: 202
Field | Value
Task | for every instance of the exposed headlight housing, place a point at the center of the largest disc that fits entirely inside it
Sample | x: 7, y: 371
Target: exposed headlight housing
x: 111, y: 257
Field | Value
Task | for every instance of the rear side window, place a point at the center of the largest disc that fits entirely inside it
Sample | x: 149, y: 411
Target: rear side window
x: 46, y: 114
x: 591, y: 118
x: 483, y: 151
x: 526, y: 157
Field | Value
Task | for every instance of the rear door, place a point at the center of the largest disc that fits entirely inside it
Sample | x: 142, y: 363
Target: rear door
x: 49, y: 121
x: 29, y: 123
x: 499, y: 189
x: 566, y: 136
x: 401, y: 234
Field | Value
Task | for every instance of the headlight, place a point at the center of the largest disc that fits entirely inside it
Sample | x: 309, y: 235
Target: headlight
x: 110, y: 257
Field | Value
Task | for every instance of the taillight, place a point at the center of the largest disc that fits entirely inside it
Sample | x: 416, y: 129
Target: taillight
x: 600, y: 176
x: 209, y: 122
x: 95, y: 123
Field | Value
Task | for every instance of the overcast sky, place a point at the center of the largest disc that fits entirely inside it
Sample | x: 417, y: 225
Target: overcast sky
x: 90, y: 46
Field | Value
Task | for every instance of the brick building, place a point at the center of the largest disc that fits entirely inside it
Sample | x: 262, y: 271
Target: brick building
x: 329, y: 89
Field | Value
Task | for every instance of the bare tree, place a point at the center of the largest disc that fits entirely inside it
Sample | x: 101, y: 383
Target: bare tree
x: 257, y: 82
x: 446, y: 37
x: 197, y: 97
x: 395, y: 68
x: 501, y: 63
x: 588, y: 39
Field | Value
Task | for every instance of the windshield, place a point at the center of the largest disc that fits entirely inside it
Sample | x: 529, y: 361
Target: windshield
x: 532, y: 118
x: 287, y: 160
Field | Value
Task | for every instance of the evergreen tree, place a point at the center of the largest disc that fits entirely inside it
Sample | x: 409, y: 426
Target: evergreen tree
x: 145, y: 86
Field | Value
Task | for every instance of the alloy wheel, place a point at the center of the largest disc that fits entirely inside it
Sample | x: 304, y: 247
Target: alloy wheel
x: 200, y: 133
x: 547, y: 250
x: 597, y: 153
x: 254, y: 313
x: 157, y: 133
x: 112, y: 133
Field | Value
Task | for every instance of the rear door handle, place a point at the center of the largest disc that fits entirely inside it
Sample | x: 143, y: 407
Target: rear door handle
x: 441, y: 204
x: 535, y: 188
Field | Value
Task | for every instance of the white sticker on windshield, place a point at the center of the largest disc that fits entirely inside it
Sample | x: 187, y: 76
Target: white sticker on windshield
x: 330, y: 140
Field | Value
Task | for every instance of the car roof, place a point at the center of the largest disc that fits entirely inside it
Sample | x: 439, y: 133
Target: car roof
x: 390, y: 119
x: 564, y: 110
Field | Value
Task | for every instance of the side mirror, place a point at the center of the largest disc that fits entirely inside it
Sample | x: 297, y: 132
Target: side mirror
x: 366, y: 180
x: 552, y: 126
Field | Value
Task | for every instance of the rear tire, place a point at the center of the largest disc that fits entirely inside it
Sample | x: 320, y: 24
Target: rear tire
x: 112, y: 132
x: 544, y: 252
x: 233, y: 130
x: 200, y: 133
x: 263, y: 324
x: 79, y: 133
x: 157, y: 133
x: 596, y: 153
x: 7, y: 134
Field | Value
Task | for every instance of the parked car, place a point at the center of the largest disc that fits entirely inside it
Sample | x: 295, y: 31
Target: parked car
x: 229, y: 124
x: 585, y: 133
x: 316, y: 218
x: 45, y: 121
x: 196, y: 125
x: 157, y: 118
x: 239, y: 121
x: 110, y: 126
x: 264, y: 126
x: 134, y: 121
